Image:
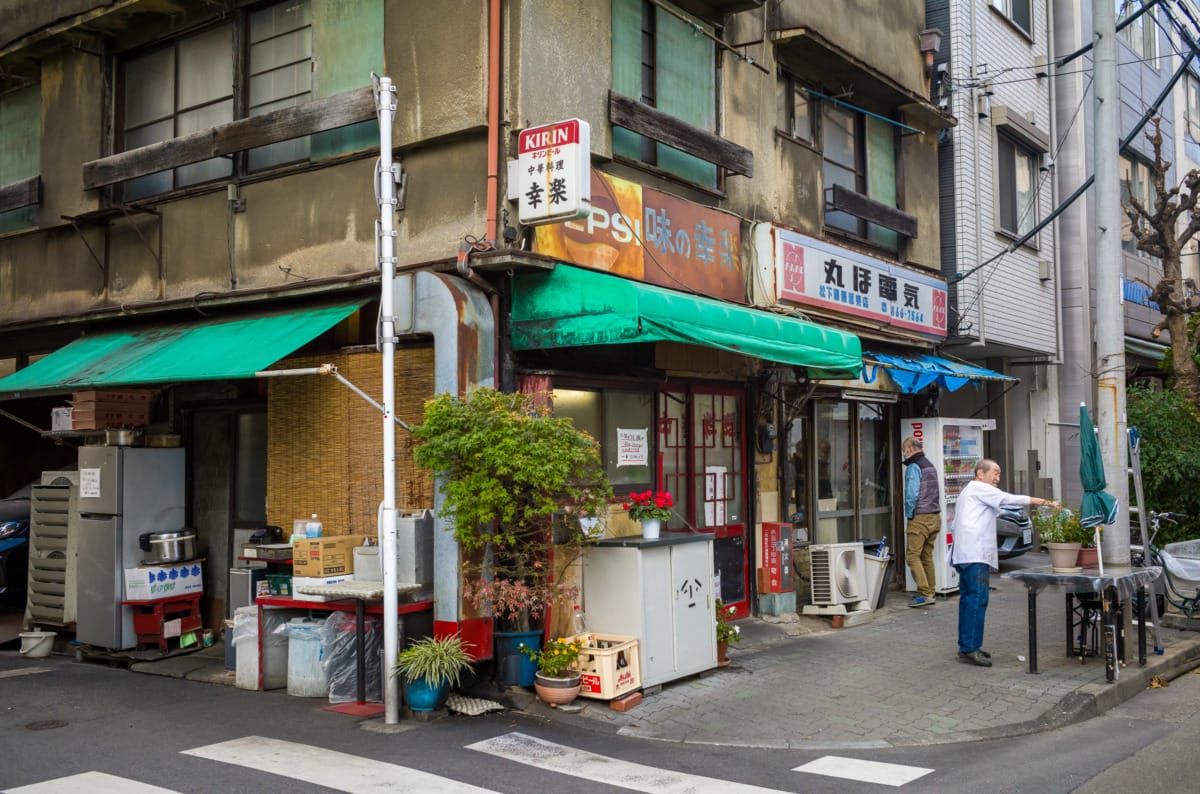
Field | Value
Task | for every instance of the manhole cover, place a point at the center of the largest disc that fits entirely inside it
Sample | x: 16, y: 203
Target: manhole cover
x: 46, y: 725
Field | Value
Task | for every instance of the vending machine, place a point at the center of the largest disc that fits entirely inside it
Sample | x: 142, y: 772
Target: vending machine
x: 953, y: 446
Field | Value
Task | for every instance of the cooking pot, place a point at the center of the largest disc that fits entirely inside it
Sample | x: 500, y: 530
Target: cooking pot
x: 166, y: 547
x: 122, y: 437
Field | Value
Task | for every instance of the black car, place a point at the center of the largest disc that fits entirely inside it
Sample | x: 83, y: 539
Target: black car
x: 1014, y: 533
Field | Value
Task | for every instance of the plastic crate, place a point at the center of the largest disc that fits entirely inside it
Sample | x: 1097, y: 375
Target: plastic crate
x: 608, y: 665
x: 280, y: 584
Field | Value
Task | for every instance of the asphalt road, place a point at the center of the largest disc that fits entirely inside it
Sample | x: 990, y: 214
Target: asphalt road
x: 60, y: 719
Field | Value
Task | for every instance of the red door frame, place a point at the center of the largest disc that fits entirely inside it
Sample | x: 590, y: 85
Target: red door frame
x: 732, y: 432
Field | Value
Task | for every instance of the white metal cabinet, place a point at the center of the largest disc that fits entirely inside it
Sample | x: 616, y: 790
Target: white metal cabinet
x: 659, y: 591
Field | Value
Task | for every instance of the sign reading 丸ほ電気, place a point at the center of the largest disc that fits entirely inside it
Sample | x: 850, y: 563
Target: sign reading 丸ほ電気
x: 813, y: 272
x: 554, y: 172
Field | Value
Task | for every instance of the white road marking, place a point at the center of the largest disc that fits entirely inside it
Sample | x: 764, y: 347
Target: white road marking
x: 539, y: 753
x: 328, y: 768
x: 24, y: 671
x: 864, y: 771
x: 90, y: 783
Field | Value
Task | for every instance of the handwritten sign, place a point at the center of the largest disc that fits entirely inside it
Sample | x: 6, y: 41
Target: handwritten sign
x: 89, y: 483
x: 633, y: 448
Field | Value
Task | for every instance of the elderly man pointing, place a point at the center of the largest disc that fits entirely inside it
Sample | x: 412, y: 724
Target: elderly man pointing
x: 974, y: 555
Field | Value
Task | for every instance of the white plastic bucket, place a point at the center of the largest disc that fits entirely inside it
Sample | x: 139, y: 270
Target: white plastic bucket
x: 37, y: 644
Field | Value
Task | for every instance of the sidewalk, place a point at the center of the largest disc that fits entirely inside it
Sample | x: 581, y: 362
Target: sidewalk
x: 795, y: 682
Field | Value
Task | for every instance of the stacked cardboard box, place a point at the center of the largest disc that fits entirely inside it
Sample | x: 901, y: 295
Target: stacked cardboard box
x: 100, y: 409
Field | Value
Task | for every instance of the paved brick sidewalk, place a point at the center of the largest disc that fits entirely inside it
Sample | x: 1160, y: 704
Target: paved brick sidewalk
x: 896, y: 680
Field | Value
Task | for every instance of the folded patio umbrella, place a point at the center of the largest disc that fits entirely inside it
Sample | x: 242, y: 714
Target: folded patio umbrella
x: 1099, y: 506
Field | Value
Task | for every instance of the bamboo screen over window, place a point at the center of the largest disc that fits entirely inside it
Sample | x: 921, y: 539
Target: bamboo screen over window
x: 325, y: 443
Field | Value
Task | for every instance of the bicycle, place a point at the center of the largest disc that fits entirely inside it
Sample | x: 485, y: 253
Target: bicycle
x: 1180, y: 573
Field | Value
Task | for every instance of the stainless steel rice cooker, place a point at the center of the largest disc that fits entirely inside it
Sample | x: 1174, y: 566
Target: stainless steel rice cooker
x: 166, y: 547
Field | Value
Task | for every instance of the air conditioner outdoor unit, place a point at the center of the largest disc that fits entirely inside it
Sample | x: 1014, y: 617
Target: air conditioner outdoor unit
x: 837, y: 574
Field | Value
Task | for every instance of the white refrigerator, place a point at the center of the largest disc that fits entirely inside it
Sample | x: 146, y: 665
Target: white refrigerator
x: 123, y: 492
x: 953, y: 446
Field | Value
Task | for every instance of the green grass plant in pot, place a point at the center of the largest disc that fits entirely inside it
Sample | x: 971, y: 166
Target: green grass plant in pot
x: 430, y: 667
x: 557, y: 680
x: 505, y: 467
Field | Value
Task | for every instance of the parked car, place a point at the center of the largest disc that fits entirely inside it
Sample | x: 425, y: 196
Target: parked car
x: 1014, y: 533
x: 14, y: 547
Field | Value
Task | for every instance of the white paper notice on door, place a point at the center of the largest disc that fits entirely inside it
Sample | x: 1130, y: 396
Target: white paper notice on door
x: 633, y: 448
x: 714, y: 495
x: 89, y: 483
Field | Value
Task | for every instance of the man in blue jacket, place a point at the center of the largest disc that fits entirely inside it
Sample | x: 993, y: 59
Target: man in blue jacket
x: 922, y: 508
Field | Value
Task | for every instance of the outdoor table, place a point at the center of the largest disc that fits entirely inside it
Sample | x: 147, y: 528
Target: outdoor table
x: 361, y: 592
x: 1118, y: 583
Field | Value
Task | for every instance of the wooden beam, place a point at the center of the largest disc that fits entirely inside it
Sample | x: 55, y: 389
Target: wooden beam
x: 664, y: 128
x: 319, y: 115
x: 872, y: 211
x: 26, y: 193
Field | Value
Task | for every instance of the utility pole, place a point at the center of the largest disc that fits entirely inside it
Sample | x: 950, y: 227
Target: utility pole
x: 1109, y: 316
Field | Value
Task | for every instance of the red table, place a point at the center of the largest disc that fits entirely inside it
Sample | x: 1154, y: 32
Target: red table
x: 360, y: 608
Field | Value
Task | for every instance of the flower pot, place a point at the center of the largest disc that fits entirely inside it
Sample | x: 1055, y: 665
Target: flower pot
x: 1089, y: 557
x: 420, y: 696
x: 651, y: 528
x: 1063, y: 556
x: 591, y: 526
x: 722, y: 648
x: 556, y: 691
x: 514, y: 668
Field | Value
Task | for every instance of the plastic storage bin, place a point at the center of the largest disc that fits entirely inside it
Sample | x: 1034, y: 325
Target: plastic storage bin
x: 279, y: 584
x: 306, y: 676
x: 274, y: 659
x: 608, y: 665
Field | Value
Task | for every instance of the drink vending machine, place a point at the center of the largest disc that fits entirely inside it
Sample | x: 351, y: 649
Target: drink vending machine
x: 953, y: 446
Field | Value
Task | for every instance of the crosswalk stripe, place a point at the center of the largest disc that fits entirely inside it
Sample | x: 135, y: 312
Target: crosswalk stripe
x: 328, y: 768
x: 90, y: 783
x: 24, y: 671
x: 542, y: 754
x: 863, y: 771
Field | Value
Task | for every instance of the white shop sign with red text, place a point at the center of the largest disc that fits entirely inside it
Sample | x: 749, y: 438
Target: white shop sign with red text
x: 553, y: 172
x: 812, y: 272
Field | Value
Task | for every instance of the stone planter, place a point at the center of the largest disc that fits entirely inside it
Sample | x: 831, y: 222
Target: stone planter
x: 556, y: 691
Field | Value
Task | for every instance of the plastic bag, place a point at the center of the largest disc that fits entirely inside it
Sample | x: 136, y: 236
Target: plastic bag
x: 340, y: 661
x: 245, y: 625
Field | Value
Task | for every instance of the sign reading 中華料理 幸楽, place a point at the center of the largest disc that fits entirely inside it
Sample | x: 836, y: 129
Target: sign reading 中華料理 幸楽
x: 813, y: 272
x: 554, y: 172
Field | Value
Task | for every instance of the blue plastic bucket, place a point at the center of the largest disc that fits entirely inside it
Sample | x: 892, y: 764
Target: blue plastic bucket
x: 514, y: 668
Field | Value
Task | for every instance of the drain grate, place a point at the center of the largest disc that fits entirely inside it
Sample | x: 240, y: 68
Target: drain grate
x: 46, y: 725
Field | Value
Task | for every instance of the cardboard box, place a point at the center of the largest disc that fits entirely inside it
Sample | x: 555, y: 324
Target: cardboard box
x: 99, y: 416
x: 60, y: 419
x: 153, y: 582
x: 325, y: 556
x: 308, y: 581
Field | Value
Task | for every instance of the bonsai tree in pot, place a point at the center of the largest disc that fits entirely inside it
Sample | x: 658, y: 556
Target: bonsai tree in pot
x: 430, y: 667
x: 506, y: 467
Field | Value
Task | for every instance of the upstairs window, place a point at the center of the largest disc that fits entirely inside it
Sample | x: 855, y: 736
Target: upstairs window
x: 1017, y: 171
x: 669, y: 64
x: 20, y: 148
x: 1141, y: 34
x: 1135, y: 183
x: 1019, y: 12
x: 1193, y: 105
x: 801, y: 112
x: 259, y: 62
x: 859, y: 153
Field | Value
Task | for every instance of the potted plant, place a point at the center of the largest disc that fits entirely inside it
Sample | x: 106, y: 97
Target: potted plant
x: 727, y: 633
x: 556, y: 681
x: 506, y: 466
x: 430, y: 667
x: 1060, y: 531
x: 651, y: 508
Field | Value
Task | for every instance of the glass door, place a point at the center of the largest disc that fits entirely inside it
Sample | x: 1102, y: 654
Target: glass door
x: 853, y: 462
x: 703, y: 465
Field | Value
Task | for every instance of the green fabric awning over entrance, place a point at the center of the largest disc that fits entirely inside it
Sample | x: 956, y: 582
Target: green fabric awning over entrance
x: 573, y: 307
x: 209, y: 350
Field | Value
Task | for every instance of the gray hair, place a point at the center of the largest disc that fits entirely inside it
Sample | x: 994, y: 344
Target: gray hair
x: 913, y: 443
x: 985, y: 465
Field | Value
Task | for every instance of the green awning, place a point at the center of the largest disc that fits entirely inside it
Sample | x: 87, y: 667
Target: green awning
x: 574, y: 307
x: 206, y: 350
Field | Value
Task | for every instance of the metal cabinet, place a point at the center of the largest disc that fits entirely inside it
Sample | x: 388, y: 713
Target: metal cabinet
x: 53, y: 555
x: 659, y: 591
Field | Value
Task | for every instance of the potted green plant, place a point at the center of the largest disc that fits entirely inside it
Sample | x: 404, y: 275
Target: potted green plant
x: 430, y: 667
x: 1060, y: 531
x: 556, y: 681
x: 505, y: 467
x: 727, y: 633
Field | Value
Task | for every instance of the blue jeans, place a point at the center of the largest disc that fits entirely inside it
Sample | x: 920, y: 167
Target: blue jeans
x: 972, y: 604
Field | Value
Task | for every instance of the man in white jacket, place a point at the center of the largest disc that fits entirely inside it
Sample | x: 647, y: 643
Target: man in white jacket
x: 974, y: 555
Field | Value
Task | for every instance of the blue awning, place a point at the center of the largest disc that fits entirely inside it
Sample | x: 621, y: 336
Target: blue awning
x: 913, y: 373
